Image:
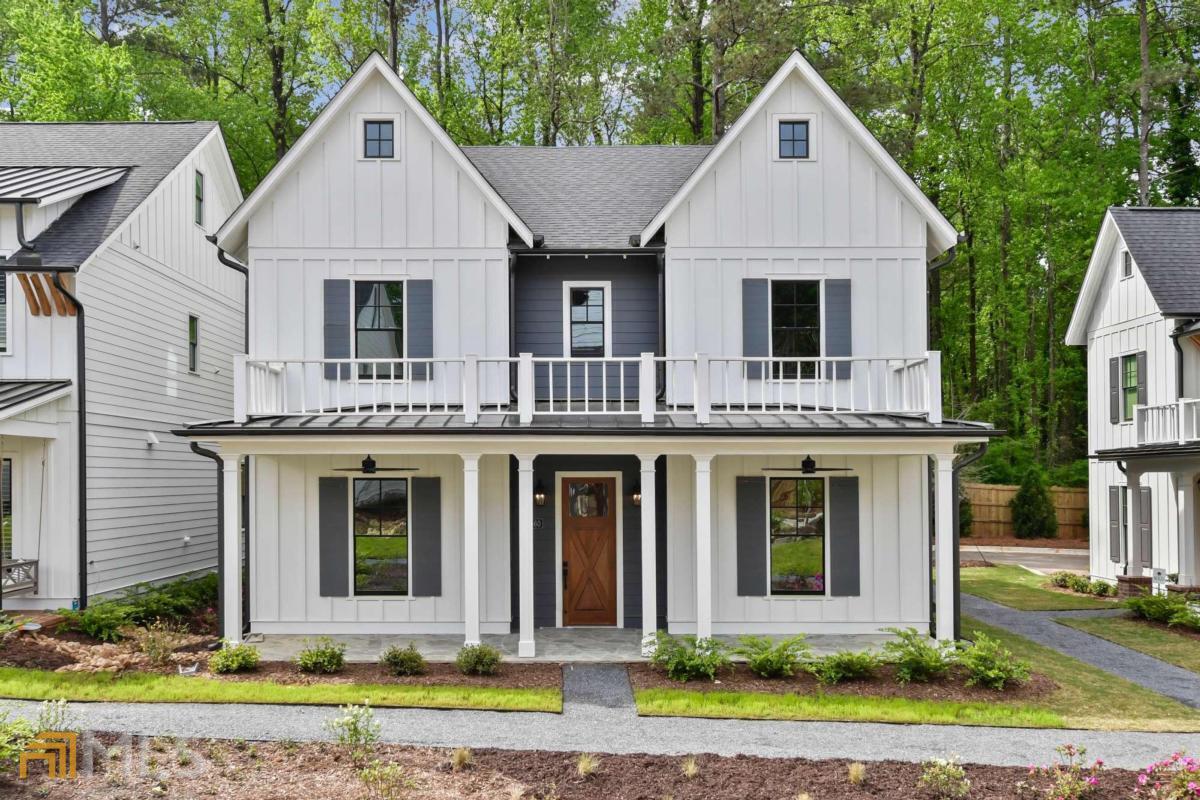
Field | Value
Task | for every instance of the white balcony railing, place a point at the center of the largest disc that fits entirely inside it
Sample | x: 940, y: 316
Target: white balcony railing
x: 646, y: 386
x: 1169, y: 423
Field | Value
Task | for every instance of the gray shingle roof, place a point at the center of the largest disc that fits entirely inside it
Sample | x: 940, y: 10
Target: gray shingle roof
x: 150, y: 149
x: 1165, y: 244
x: 587, y: 197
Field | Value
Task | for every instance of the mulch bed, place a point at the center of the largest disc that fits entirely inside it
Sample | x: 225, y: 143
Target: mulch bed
x: 884, y: 684
x: 976, y: 564
x: 275, y: 771
x: 22, y: 650
x: 510, y: 676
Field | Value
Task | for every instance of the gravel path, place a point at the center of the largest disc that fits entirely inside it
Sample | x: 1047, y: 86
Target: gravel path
x: 1159, y: 676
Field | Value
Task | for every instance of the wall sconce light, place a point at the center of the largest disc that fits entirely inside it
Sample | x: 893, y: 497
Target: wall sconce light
x: 636, y: 496
x: 539, y: 494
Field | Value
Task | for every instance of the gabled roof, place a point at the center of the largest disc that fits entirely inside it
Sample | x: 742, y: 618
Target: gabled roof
x: 47, y: 185
x: 587, y: 197
x: 1165, y: 245
x: 232, y: 233
x: 148, y: 151
x: 942, y: 235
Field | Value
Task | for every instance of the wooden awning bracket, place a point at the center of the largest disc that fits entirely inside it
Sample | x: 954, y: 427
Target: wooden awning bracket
x: 43, y: 299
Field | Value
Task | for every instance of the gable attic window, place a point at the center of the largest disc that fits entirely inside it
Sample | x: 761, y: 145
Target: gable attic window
x: 793, y: 138
x: 1126, y: 264
x: 379, y: 138
x: 198, y: 196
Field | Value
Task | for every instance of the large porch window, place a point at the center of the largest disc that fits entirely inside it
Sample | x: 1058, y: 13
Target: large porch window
x: 381, y: 536
x: 797, y: 536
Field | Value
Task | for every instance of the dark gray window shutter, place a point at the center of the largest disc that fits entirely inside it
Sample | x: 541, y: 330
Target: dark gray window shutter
x: 1145, y: 526
x: 837, y: 323
x: 1141, y: 378
x: 425, y: 537
x: 752, y: 536
x: 420, y: 325
x: 337, y: 326
x: 1114, y: 390
x: 756, y: 316
x: 1114, y: 524
x: 843, y: 537
x: 333, y: 550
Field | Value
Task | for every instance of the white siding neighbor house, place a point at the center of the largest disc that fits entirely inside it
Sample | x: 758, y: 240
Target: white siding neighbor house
x: 1138, y: 314
x: 496, y: 390
x: 116, y: 323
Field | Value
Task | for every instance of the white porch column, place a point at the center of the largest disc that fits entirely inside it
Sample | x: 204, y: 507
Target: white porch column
x: 471, y: 546
x: 944, y: 546
x: 231, y: 484
x: 703, y: 546
x: 649, y: 547
x: 525, y: 646
x: 1133, y: 543
x: 1185, y: 492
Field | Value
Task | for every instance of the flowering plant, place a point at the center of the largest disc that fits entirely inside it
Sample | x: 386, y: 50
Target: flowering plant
x: 1072, y: 778
x: 1173, y: 778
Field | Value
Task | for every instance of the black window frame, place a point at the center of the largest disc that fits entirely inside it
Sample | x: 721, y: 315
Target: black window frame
x: 193, y: 334
x: 1129, y: 392
x: 791, y: 127
x: 379, y: 139
x: 603, y: 322
x: 6, y: 509
x: 370, y: 371
x: 198, y: 186
x: 1126, y: 264
x: 783, y: 318
x: 357, y: 514
x: 772, y: 535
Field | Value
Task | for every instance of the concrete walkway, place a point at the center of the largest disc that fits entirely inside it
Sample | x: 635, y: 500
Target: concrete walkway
x: 1159, y: 676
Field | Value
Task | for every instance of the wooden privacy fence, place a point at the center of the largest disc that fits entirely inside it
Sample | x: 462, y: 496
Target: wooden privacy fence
x: 992, y: 516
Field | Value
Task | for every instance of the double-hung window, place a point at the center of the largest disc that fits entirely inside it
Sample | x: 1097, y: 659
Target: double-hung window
x: 6, y: 510
x: 797, y: 536
x: 381, y: 536
x: 795, y: 327
x: 1129, y: 386
x: 379, y: 328
x: 198, y: 199
x: 587, y: 311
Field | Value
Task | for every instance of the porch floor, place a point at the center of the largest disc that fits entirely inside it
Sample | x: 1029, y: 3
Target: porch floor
x: 553, y: 644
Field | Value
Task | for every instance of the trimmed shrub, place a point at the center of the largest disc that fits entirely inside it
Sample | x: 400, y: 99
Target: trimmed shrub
x: 846, y: 665
x: 769, y: 659
x: 1032, y: 511
x: 990, y: 664
x: 322, y: 657
x: 1102, y: 589
x: 234, y: 658
x: 14, y: 735
x: 403, y: 660
x: 176, y: 602
x: 688, y: 659
x: 103, y: 620
x: 1157, y: 607
x: 1061, y: 579
x: 478, y: 659
x: 916, y: 656
x: 944, y: 778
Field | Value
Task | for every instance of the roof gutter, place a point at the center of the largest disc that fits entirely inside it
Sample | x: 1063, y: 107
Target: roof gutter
x: 234, y: 264
x: 21, y: 240
x: 1175, y: 334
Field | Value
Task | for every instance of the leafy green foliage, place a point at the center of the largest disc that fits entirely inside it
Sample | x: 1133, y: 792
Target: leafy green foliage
x: 1167, y: 609
x: 15, y: 733
x: 991, y: 664
x: 917, y: 657
x: 322, y: 657
x: 1032, y: 510
x: 688, y: 659
x: 403, y: 660
x: 944, y: 779
x: 356, y: 729
x: 1082, y: 585
x: 478, y: 659
x: 103, y: 620
x: 846, y: 665
x: 770, y: 659
x: 234, y: 658
x: 177, y: 602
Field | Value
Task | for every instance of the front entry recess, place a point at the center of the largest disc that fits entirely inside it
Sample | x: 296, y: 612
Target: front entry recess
x: 589, y: 547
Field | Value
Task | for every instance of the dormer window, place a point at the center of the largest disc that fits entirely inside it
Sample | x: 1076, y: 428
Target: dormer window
x: 379, y: 138
x: 793, y: 138
x: 1126, y: 264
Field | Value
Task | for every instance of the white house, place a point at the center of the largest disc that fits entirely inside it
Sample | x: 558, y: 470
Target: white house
x: 1137, y: 314
x: 497, y: 389
x: 117, y: 322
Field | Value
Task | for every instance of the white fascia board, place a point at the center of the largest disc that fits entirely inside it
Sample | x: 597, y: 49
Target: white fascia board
x: 1093, y: 281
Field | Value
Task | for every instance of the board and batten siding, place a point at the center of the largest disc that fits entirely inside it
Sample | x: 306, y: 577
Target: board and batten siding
x: 1126, y: 320
x: 285, y: 544
x: 152, y: 508
x: 893, y: 551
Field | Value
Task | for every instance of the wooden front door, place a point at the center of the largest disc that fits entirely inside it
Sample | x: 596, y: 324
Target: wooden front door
x: 589, y: 547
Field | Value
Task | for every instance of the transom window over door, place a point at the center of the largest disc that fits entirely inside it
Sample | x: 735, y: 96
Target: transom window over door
x: 797, y: 536
x: 381, y: 536
x: 379, y: 327
x: 795, y: 327
x: 1129, y: 386
x: 587, y: 321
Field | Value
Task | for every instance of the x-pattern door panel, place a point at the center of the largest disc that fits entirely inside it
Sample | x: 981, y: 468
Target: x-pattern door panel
x: 589, y: 545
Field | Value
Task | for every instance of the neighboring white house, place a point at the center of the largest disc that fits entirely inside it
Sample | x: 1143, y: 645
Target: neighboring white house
x: 113, y: 216
x: 493, y: 389
x: 1138, y: 314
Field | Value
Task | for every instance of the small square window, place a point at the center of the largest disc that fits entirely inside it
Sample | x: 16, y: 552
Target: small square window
x: 1126, y: 265
x: 198, y: 194
x: 378, y: 139
x: 793, y: 139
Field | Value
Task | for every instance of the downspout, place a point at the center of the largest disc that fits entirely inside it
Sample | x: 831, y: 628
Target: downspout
x: 20, y: 207
x: 204, y: 451
x: 944, y: 260
x: 661, y: 261
x: 960, y: 465
x: 224, y: 258
x: 512, y: 325
x: 81, y: 411
x: 1175, y: 334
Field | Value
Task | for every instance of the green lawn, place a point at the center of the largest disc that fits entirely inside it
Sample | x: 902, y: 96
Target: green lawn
x: 1087, y: 697
x: 28, y: 684
x: 1019, y: 588
x: 1174, y: 648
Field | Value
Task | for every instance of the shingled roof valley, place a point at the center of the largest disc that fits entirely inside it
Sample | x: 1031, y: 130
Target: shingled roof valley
x: 150, y: 150
x: 1165, y: 245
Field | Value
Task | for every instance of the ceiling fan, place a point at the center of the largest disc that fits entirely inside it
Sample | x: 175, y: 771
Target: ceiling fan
x: 808, y: 467
x: 368, y: 467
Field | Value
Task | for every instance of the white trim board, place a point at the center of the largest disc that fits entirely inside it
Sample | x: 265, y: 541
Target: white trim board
x: 606, y: 287
x: 619, y: 510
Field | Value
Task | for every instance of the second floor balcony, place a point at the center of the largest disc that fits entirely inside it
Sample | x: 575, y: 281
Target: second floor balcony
x: 644, y: 387
x: 1168, y: 423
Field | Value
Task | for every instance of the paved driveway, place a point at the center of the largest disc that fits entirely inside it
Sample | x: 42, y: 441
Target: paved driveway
x: 1049, y: 562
